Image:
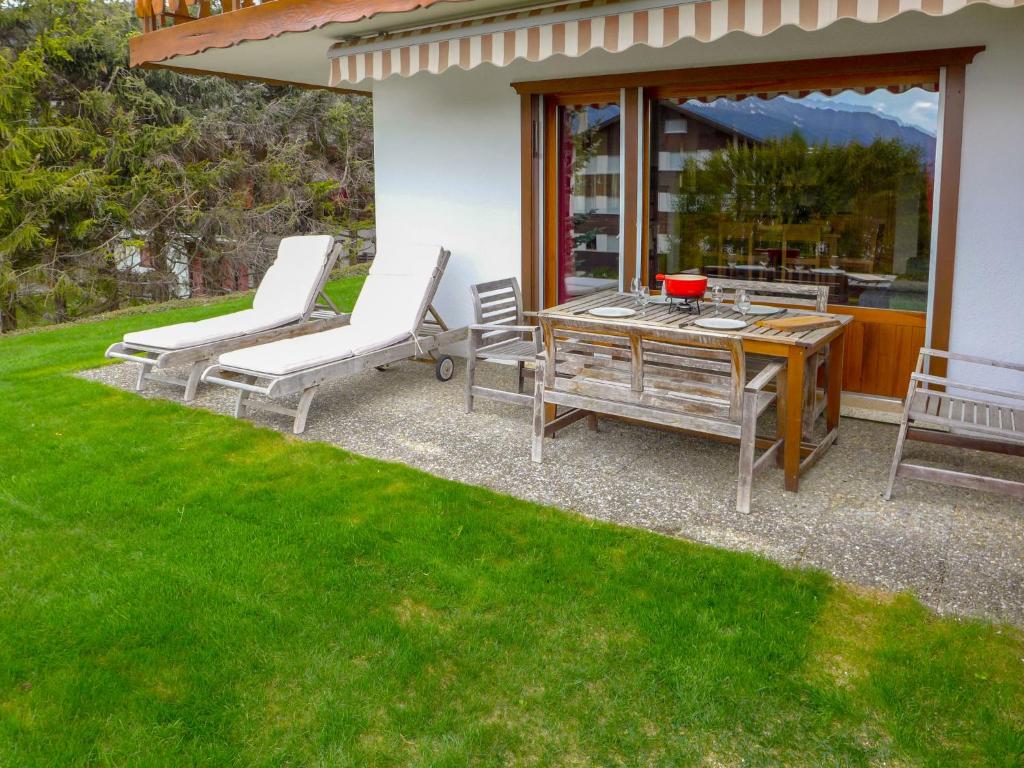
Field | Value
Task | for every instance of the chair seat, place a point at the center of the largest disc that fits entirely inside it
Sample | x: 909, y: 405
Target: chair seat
x: 970, y: 413
x: 513, y: 349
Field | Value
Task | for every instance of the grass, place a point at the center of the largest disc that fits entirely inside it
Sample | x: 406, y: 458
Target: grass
x: 179, y: 588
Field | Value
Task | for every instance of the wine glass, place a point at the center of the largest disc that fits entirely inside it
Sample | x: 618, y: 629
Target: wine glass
x: 730, y: 255
x: 742, y: 302
x: 634, y: 287
x: 822, y: 250
x: 643, y: 295
x: 717, y: 295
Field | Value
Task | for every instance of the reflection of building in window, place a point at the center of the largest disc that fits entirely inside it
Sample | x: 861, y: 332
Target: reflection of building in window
x: 590, y: 237
x: 811, y: 189
x: 596, y: 191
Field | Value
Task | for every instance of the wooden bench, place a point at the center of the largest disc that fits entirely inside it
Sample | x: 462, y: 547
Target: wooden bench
x: 940, y: 410
x: 690, y: 380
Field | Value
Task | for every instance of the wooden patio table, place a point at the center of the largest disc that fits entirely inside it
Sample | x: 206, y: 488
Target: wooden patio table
x: 794, y: 346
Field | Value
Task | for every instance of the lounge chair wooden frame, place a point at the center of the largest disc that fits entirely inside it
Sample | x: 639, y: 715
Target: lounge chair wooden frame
x: 424, y: 344
x: 320, y: 315
x: 940, y: 410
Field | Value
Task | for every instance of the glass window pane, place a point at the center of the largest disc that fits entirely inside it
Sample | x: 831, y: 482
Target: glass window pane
x: 824, y: 189
x: 590, y: 171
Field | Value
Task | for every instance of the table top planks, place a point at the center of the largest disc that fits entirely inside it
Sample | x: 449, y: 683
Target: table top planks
x: 657, y: 313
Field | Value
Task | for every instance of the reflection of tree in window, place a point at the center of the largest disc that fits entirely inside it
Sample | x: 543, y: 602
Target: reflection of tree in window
x: 850, y: 211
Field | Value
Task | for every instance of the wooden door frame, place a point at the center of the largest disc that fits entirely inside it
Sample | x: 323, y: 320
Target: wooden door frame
x: 904, y: 68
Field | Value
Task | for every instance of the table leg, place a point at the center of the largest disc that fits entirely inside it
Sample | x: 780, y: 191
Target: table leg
x: 834, y: 385
x: 795, y: 369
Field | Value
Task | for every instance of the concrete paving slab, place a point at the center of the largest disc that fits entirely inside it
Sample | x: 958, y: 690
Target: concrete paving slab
x: 961, y: 552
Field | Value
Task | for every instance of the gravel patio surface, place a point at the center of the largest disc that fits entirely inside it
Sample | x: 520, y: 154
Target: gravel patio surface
x: 959, y: 551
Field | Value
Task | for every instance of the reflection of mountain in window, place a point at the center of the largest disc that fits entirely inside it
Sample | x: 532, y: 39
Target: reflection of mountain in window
x: 833, y: 189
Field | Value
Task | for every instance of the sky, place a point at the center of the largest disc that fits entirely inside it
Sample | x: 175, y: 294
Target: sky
x: 915, y: 107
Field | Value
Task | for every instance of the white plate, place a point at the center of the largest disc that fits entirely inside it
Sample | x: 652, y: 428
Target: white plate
x: 761, y: 309
x: 613, y: 312
x: 720, y: 323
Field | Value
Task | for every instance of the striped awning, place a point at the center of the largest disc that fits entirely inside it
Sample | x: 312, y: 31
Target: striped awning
x: 573, y: 29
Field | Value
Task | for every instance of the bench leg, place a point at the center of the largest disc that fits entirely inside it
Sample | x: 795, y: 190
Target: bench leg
x: 470, y: 380
x: 302, y: 412
x: 140, y: 382
x: 748, y: 440
x: 520, y: 376
x: 194, y: 374
x: 592, y: 422
x: 536, y: 454
x: 240, y: 409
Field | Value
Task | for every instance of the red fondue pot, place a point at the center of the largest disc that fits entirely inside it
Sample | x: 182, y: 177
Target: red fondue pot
x: 684, y: 286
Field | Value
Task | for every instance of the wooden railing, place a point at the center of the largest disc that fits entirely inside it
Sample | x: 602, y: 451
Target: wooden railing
x: 154, y: 14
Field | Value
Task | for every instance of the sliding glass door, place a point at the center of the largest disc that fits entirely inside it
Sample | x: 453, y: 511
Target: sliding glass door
x: 584, y: 240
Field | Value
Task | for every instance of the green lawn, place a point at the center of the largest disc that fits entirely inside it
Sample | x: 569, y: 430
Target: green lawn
x: 180, y: 588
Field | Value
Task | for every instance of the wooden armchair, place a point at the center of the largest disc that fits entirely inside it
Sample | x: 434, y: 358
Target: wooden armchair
x: 940, y: 410
x: 670, y: 377
x: 498, y: 334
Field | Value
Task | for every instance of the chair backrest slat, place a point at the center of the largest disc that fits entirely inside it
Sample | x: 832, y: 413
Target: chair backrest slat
x: 498, y: 302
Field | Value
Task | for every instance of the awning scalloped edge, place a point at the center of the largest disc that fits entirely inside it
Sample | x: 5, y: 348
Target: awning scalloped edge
x: 612, y: 32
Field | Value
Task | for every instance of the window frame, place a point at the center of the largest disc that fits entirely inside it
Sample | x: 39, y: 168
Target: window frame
x: 638, y: 90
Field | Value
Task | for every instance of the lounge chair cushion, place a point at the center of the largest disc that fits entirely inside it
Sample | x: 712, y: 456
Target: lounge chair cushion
x: 386, y: 312
x: 235, y: 324
x: 287, y: 290
x: 291, y: 283
x: 288, y: 355
x: 390, y: 303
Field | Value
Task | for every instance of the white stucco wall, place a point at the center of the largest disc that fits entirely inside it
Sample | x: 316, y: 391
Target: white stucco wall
x: 447, y: 171
x: 447, y: 155
x: 988, y: 286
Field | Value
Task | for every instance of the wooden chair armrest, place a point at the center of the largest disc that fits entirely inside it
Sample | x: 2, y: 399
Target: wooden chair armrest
x: 928, y: 352
x: 926, y: 378
x: 767, y: 374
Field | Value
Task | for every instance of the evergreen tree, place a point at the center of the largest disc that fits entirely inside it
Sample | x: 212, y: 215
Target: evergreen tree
x: 197, y: 172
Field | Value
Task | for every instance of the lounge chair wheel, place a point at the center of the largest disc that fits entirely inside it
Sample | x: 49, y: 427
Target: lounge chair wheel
x: 445, y: 368
x: 381, y: 367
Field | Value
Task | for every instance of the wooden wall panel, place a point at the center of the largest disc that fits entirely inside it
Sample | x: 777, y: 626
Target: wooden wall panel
x: 881, y: 350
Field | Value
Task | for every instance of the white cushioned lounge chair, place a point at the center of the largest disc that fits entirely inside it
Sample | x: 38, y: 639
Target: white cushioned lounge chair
x: 285, y: 306
x: 394, y: 319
